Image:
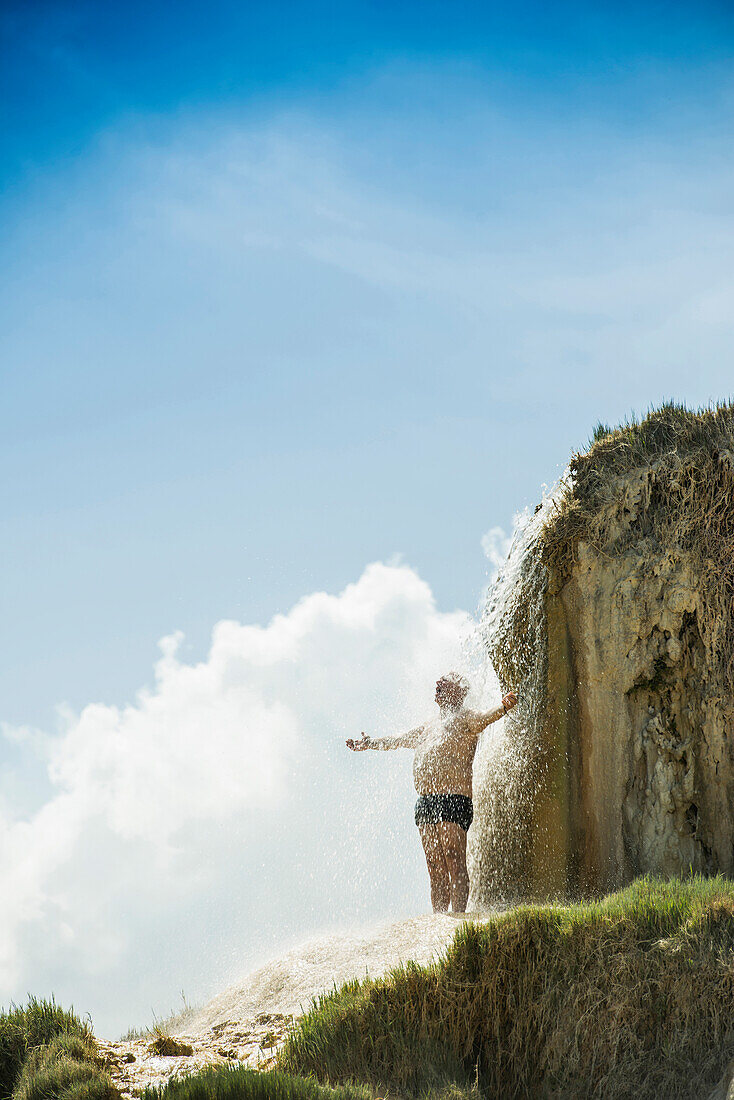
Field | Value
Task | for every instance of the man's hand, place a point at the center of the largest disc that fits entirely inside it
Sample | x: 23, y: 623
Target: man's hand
x: 509, y: 701
x: 357, y: 746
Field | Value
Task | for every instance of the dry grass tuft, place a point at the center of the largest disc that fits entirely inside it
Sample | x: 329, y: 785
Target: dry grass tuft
x: 177, y: 1020
x: 630, y: 996
x: 167, y: 1046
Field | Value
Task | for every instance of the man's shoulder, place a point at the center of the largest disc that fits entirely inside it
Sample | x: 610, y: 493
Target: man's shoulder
x: 470, y: 717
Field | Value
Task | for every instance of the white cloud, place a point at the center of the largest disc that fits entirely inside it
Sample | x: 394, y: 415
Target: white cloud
x: 221, y: 810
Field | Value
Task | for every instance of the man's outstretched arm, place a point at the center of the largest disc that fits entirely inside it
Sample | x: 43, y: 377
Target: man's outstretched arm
x: 481, y: 721
x: 407, y: 740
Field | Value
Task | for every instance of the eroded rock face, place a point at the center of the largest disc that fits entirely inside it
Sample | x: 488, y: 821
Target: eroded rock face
x: 626, y: 726
x: 651, y: 723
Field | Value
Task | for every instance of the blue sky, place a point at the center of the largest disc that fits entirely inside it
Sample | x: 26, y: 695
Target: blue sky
x: 288, y: 289
x: 196, y: 426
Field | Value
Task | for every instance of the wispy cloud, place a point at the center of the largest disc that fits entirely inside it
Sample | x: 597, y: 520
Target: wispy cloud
x: 616, y: 261
x: 541, y: 252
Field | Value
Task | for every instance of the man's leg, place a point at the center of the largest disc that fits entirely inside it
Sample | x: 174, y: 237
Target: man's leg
x: 437, y: 869
x: 453, y: 845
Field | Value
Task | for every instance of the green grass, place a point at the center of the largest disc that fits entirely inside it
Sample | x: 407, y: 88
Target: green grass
x: 67, y: 1068
x: 628, y: 996
x: 239, y: 1083
x: 22, y: 1028
x: 48, y: 1052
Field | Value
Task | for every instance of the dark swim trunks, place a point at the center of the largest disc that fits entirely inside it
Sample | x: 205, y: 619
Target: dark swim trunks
x: 432, y: 808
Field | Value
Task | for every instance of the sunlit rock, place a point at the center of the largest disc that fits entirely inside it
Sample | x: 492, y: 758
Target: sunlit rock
x: 614, y: 621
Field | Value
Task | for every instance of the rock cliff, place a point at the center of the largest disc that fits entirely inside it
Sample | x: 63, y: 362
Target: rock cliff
x: 615, y: 621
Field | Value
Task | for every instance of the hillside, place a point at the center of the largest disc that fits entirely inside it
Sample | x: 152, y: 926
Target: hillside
x: 629, y: 996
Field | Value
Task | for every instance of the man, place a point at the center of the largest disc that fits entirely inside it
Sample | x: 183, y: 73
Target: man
x: 442, y: 770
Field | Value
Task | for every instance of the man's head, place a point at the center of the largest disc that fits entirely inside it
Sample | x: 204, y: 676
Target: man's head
x: 451, y: 690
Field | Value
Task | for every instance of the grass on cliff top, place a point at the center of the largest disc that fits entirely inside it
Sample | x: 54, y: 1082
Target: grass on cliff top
x: 683, y: 503
x: 670, y: 437
x: 672, y: 427
x: 629, y: 996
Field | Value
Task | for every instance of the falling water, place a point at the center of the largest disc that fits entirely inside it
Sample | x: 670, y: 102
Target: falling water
x: 506, y: 651
x: 288, y: 984
x: 507, y: 648
x: 507, y: 765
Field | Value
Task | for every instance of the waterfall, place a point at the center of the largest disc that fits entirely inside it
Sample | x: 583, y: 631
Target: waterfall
x: 513, y: 635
